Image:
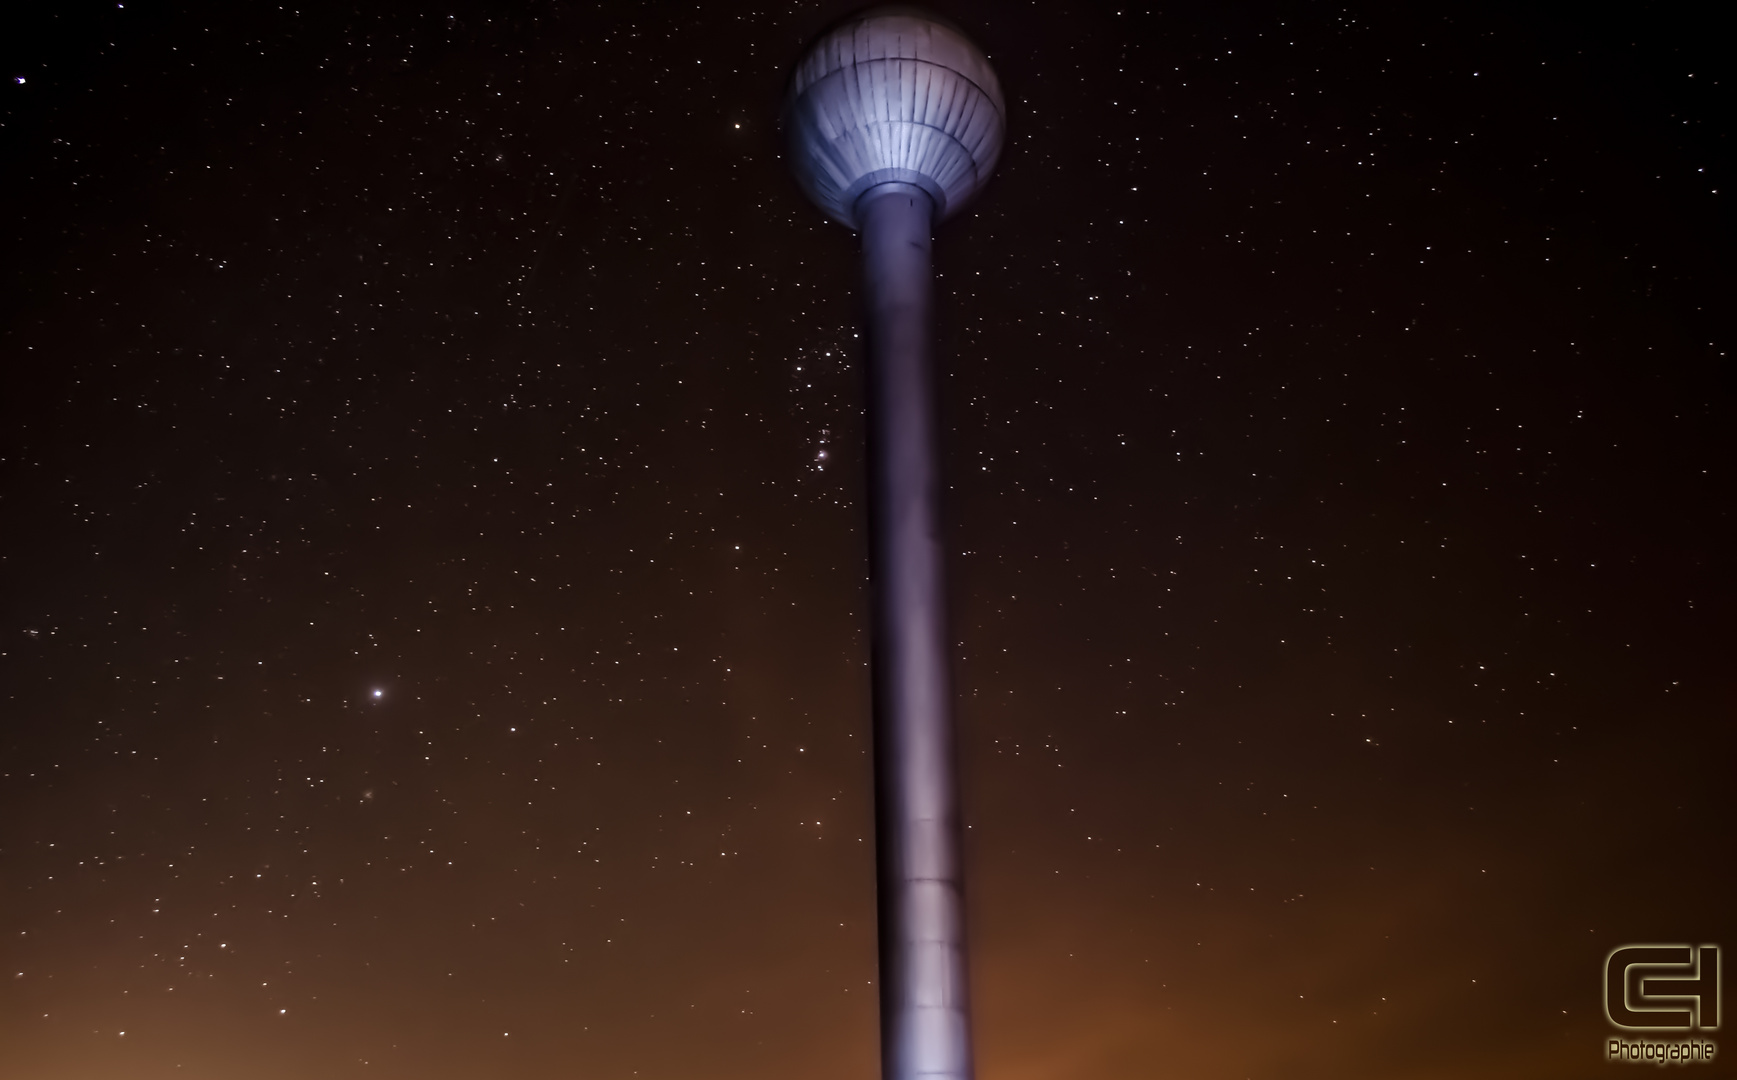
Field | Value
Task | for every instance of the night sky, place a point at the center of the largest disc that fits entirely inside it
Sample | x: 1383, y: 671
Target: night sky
x: 433, y: 581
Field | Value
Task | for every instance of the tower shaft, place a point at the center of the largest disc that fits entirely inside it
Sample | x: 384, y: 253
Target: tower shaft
x: 925, y: 1023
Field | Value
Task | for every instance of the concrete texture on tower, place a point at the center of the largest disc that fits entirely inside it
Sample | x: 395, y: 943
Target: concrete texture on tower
x: 891, y: 96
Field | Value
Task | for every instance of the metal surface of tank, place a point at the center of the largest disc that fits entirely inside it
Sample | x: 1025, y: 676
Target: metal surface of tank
x: 894, y: 96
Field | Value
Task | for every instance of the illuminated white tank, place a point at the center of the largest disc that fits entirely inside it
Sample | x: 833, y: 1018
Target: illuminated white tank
x: 894, y: 96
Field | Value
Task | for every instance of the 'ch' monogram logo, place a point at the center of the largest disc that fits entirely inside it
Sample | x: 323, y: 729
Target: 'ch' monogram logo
x: 1662, y: 987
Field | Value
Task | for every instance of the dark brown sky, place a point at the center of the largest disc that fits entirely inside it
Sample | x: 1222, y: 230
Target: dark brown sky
x: 432, y: 639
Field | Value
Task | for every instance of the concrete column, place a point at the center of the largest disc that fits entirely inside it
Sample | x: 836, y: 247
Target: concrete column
x: 925, y: 1022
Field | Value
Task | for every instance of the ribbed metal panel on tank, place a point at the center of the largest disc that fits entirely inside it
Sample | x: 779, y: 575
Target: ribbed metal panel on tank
x: 890, y: 97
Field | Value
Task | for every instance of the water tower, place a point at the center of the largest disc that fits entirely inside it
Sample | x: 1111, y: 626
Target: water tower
x: 895, y: 120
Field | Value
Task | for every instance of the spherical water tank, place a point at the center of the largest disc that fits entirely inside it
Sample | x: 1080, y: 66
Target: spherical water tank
x: 893, y: 95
